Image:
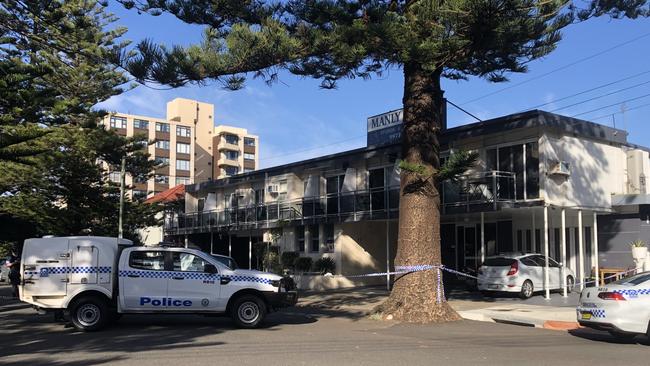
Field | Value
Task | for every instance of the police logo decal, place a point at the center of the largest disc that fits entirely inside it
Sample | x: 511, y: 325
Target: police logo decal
x: 205, y: 302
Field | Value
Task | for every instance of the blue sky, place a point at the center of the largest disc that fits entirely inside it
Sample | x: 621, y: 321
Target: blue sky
x: 296, y: 120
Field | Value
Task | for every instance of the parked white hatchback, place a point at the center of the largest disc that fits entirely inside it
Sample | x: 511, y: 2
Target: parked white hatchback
x: 622, y: 308
x: 522, y: 273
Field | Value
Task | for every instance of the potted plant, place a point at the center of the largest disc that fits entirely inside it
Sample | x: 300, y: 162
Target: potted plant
x: 639, y: 250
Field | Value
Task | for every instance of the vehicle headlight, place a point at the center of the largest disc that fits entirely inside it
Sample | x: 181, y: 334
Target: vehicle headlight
x: 275, y: 283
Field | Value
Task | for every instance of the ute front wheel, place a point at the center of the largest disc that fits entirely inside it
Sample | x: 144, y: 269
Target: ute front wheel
x: 248, y: 311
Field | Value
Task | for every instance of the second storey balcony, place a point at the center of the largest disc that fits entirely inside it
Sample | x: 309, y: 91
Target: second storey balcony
x: 487, y: 191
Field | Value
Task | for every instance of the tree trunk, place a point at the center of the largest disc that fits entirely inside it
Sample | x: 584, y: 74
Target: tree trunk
x: 416, y: 297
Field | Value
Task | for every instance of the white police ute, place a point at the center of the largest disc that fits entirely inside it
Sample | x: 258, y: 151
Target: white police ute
x: 622, y: 308
x: 94, y: 279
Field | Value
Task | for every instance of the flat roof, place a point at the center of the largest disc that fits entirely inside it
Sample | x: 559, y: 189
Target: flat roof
x: 529, y: 119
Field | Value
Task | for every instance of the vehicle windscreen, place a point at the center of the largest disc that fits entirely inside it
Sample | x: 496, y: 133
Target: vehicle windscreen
x: 228, y: 262
x: 634, y: 280
x: 498, y: 262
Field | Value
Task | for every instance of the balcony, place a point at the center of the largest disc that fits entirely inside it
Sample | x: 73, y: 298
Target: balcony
x: 225, y: 145
x: 227, y: 162
x: 485, y: 191
x: 375, y: 204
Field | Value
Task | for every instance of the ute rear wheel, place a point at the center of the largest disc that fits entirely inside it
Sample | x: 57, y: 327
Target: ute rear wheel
x: 248, y: 311
x: 89, y: 314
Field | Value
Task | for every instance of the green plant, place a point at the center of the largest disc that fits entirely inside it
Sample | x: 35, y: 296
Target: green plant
x: 288, y: 259
x: 638, y: 244
x: 325, y: 265
x: 272, y: 262
x: 303, y: 264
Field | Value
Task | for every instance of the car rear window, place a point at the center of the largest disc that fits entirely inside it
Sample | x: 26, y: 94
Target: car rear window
x: 498, y: 262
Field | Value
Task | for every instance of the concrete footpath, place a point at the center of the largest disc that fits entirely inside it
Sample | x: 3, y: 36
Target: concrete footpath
x: 558, y: 313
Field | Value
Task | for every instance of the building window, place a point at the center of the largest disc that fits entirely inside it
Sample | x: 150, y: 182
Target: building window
x: 164, y: 179
x: 183, y: 131
x: 114, y: 177
x: 182, y: 180
x: 231, y: 155
x: 230, y: 170
x: 231, y: 139
x: 118, y: 122
x: 162, y: 127
x: 142, y: 144
x: 329, y: 237
x: 182, y: 148
x: 182, y: 164
x: 521, y: 159
x: 162, y: 144
x: 300, y: 235
x: 141, y: 124
x: 315, y: 242
x: 162, y: 160
x: 150, y: 260
x: 249, y: 156
x: 138, y: 194
x: 249, y: 141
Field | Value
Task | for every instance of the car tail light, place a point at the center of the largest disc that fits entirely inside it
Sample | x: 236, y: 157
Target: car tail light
x: 514, y: 267
x: 611, y: 296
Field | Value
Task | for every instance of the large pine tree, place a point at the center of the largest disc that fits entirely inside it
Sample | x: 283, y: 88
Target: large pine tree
x: 335, y: 39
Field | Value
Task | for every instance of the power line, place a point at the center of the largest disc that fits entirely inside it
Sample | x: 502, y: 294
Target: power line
x: 612, y: 105
x: 600, y: 96
x: 559, y: 68
x: 462, y: 110
x: 587, y: 91
x: 627, y: 110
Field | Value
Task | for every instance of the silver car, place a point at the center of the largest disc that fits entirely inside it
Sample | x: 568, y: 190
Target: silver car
x: 522, y: 273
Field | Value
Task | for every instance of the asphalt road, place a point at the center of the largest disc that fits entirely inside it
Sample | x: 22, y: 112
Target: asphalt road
x: 303, y: 336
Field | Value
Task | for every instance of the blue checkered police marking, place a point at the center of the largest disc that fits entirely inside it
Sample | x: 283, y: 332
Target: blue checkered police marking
x: 193, y: 276
x: 597, y: 313
x: 45, y: 271
x: 633, y: 293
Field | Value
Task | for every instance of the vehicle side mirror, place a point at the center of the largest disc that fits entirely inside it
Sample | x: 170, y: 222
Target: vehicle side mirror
x: 209, y: 268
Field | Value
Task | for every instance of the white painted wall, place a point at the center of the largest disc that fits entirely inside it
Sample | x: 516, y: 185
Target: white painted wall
x: 597, y: 171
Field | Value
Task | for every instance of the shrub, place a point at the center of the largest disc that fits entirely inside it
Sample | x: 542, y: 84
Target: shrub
x: 324, y: 265
x: 288, y: 259
x: 303, y: 264
x: 272, y: 262
x: 638, y: 244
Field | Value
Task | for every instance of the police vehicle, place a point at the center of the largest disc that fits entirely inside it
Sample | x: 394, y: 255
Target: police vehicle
x: 94, y: 279
x: 621, y: 308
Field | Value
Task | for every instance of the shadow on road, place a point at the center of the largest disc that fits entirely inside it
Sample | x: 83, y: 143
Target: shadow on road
x: 28, y: 333
x: 598, y: 336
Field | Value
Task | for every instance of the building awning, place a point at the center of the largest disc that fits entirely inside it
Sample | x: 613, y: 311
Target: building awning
x: 170, y: 195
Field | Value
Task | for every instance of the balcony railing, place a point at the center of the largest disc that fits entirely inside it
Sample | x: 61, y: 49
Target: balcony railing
x: 475, y: 193
x: 479, y: 192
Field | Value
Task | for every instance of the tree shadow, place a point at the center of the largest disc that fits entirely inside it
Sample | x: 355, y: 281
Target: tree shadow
x: 28, y: 333
x: 353, y: 303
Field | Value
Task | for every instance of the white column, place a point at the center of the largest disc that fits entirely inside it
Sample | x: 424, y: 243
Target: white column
x: 186, y: 242
x: 546, y: 273
x: 250, y: 251
x: 211, y: 243
x: 534, y: 236
x: 229, y: 245
x: 482, y: 237
x: 563, y: 248
x: 581, y: 251
x: 387, y: 255
x: 595, y: 251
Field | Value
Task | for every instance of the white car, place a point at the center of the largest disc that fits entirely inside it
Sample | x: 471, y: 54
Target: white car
x: 521, y: 273
x: 621, y: 308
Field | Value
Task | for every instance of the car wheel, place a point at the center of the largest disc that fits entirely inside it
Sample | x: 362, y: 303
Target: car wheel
x: 621, y: 335
x: 89, y: 314
x: 248, y: 311
x: 526, y: 290
x: 569, y: 284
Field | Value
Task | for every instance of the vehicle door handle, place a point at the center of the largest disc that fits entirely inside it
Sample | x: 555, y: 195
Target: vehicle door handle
x: 133, y: 276
x: 178, y: 278
x: 225, y: 280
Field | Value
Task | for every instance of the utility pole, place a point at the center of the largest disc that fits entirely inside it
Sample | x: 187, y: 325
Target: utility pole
x: 122, y: 177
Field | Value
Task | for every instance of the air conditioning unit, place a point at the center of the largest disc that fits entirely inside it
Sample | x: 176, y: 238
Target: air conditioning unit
x: 560, y: 168
x: 273, y: 188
